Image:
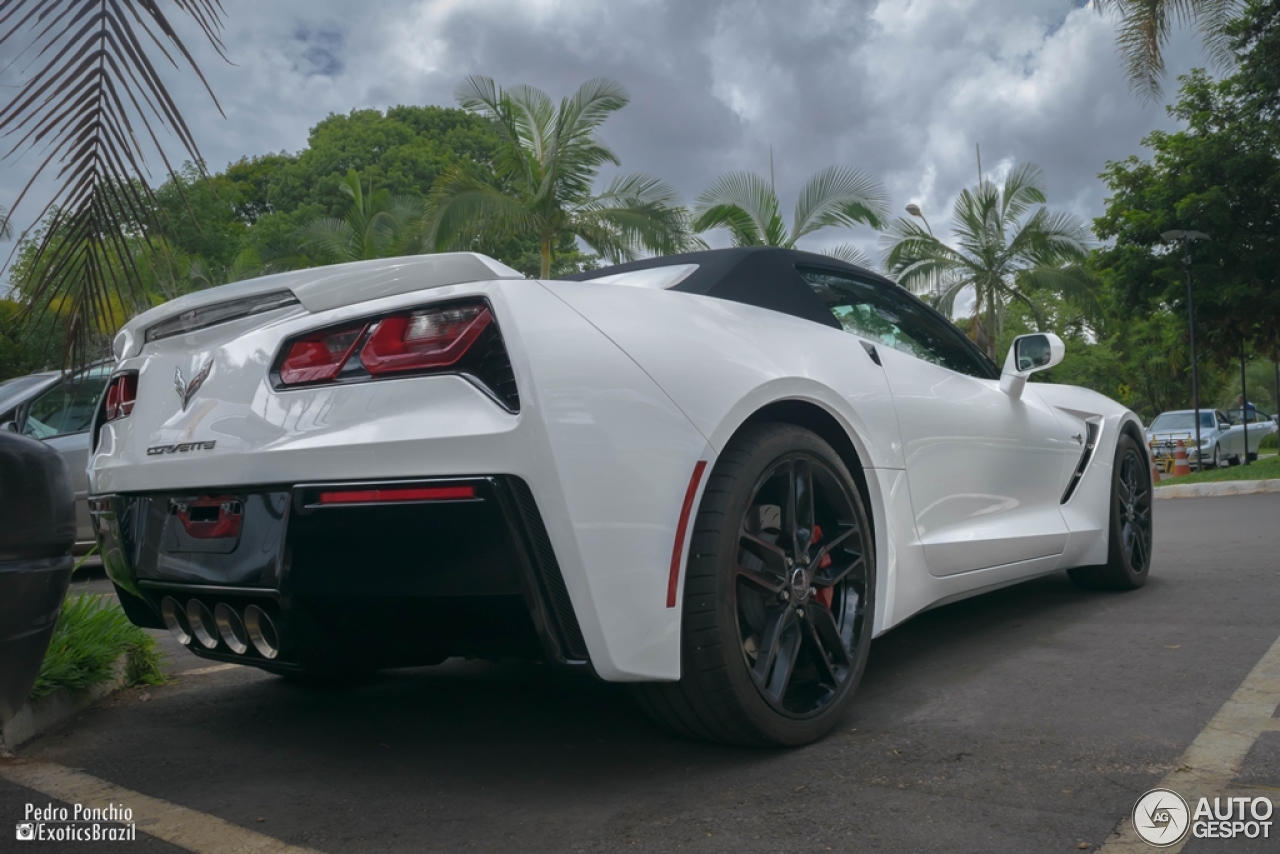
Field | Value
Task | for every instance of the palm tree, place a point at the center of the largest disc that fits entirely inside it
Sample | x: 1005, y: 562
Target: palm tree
x: 747, y: 205
x: 543, y: 176
x: 93, y: 106
x: 6, y: 230
x: 376, y: 225
x: 1145, y: 27
x: 1004, y: 251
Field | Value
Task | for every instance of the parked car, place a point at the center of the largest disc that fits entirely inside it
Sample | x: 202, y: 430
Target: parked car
x: 37, y: 528
x: 58, y: 412
x: 717, y: 474
x: 1222, y: 436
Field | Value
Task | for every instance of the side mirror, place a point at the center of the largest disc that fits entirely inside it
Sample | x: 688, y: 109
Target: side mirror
x: 10, y: 426
x: 1029, y: 353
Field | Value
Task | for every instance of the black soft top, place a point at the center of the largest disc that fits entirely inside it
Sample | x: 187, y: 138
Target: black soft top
x: 764, y: 276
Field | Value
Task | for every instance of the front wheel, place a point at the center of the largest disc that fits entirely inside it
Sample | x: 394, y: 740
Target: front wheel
x: 779, y: 596
x: 1217, y: 459
x: 1130, y: 534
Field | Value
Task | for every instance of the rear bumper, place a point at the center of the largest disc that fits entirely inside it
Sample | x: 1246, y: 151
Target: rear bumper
x: 348, y: 581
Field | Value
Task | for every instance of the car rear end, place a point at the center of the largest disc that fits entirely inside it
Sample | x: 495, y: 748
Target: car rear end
x: 330, y: 470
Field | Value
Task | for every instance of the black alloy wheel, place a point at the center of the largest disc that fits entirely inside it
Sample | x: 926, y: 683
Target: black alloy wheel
x: 801, y: 585
x: 779, y: 595
x: 1130, y: 542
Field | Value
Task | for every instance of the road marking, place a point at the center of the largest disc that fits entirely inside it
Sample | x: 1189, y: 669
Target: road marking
x: 1213, y: 760
x: 186, y: 828
x: 201, y: 671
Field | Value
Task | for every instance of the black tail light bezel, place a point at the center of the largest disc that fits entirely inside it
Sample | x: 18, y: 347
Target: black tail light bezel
x: 486, y: 363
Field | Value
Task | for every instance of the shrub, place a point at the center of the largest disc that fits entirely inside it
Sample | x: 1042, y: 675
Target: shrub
x: 92, y: 632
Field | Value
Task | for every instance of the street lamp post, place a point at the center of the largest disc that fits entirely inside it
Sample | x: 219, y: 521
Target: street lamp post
x: 914, y: 210
x: 1186, y: 237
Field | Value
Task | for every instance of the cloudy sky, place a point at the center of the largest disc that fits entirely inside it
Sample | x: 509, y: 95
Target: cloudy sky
x: 902, y: 88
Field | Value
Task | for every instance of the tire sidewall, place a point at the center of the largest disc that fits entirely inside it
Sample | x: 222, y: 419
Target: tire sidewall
x: 1119, y: 558
x: 773, y: 725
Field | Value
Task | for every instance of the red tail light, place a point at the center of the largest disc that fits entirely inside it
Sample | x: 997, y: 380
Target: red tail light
x: 435, y: 338
x: 122, y: 393
x: 321, y: 355
x: 377, y: 496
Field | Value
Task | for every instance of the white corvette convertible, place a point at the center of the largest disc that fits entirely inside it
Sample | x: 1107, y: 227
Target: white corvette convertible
x: 717, y: 475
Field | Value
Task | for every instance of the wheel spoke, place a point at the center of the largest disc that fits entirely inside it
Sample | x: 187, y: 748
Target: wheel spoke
x: 831, y: 544
x: 770, y: 554
x: 770, y: 643
x: 834, y: 574
x: 827, y: 634
x: 1122, y: 490
x: 784, y: 666
x: 800, y: 506
x: 817, y: 653
x: 763, y: 580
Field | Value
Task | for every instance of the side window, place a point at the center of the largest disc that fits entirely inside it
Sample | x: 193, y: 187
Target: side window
x: 66, y: 408
x: 877, y: 313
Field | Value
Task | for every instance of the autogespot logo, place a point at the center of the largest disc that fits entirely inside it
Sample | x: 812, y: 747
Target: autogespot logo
x: 1161, y: 818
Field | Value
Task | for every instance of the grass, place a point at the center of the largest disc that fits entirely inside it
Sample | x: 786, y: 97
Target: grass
x: 1265, y: 468
x: 91, y: 634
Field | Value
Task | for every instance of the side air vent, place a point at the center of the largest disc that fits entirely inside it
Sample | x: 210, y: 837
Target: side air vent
x: 493, y: 369
x: 548, y: 569
x: 1090, y: 444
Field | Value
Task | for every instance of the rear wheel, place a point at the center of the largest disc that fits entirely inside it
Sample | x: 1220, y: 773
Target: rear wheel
x: 779, y: 595
x: 1130, y: 540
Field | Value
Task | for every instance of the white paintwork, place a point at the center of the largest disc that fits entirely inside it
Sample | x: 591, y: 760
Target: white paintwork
x: 623, y: 390
x: 1013, y: 378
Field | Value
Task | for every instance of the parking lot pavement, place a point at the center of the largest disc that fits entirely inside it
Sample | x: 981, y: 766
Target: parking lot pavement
x: 1027, y: 720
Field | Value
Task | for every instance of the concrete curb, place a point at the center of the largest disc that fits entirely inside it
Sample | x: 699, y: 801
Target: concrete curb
x: 48, y: 713
x: 1225, y: 487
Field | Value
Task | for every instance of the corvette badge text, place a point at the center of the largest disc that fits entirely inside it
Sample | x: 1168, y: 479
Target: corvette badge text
x: 77, y: 823
x: 1162, y: 818
x: 181, y: 448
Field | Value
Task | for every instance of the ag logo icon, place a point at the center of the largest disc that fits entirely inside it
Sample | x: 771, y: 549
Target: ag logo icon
x: 1161, y: 817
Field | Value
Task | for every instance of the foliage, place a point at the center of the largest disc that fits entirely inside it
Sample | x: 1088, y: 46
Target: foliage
x: 375, y: 225
x: 1220, y: 176
x: 1145, y: 27
x: 747, y: 205
x: 541, y: 184
x: 92, y: 98
x: 1005, y: 252
x: 91, y: 634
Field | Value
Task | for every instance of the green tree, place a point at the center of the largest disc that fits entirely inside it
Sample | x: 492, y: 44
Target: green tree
x: 1004, y: 252
x: 1219, y: 175
x: 375, y: 225
x: 1146, y: 25
x: 542, y: 182
x: 747, y: 205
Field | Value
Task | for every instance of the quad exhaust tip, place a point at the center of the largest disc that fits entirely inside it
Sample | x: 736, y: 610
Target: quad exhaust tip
x: 175, y: 619
x: 202, y: 624
x: 262, y: 632
x: 231, y: 628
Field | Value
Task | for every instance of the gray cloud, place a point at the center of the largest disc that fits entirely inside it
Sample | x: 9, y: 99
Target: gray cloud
x: 902, y: 88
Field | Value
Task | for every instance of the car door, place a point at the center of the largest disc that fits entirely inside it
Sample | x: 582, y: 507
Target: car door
x: 60, y: 417
x: 986, y: 471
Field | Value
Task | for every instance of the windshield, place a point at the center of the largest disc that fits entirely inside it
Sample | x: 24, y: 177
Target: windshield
x: 1183, y: 420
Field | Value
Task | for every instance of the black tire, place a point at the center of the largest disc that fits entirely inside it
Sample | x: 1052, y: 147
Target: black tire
x: 1130, y: 540
x: 1217, y: 458
x: 775, y: 634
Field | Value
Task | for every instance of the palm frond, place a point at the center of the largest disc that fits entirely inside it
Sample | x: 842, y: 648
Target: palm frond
x: 1023, y: 187
x: 464, y: 206
x: 839, y: 195
x: 849, y: 254
x: 744, y: 203
x: 95, y: 106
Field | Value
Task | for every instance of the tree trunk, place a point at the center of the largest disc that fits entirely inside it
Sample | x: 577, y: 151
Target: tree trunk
x: 544, y: 248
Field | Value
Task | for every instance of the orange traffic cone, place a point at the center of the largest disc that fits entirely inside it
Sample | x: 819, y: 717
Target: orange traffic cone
x: 1155, y: 470
x: 1180, y: 464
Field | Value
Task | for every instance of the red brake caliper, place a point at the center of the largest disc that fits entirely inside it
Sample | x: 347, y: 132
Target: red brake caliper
x: 822, y: 594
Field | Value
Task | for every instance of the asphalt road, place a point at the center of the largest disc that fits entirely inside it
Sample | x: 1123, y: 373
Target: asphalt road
x: 1028, y: 720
